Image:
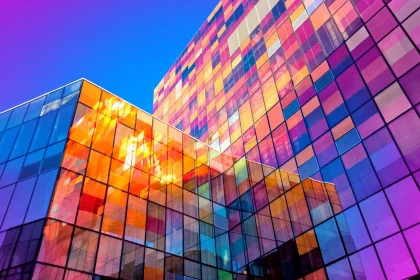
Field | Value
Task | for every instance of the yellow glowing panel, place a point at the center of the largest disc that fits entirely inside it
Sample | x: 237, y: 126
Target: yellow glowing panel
x: 245, y: 116
x: 300, y: 75
x: 83, y: 125
x: 306, y: 242
x: 262, y: 60
x: 103, y: 137
x: 270, y: 94
x: 89, y: 94
x: 119, y: 175
x: 98, y: 166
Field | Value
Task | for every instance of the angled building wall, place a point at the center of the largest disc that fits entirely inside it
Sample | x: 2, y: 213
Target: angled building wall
x: 33, y: 137
x: 324, y: 89
x: 128, y: 196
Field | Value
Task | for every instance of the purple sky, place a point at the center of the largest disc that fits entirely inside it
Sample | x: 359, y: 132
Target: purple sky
x: 124, y: 46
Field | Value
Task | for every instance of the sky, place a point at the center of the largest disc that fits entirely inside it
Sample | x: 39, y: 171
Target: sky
x: 125, y: 46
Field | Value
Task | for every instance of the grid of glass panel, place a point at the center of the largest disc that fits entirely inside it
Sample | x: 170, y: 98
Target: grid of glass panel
x: 32, y: 141
x: 138, y: 199
x: 324, y: 89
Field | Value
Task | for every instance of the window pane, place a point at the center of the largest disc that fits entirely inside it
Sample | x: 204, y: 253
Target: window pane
x: 4, y: 118
x: 42, y: 196
x: 135, y: 225
x: 6, y: 143
x: 98, y: 167
x: 103, y: 137
x: 155, y: 235
x: 83, y: 250
x: 108, y: 260
x: 27, y: 245
x: 46, y: 272
x: 34, y: 109
x: 5, y: 196
x: 66, y: 197
x: 174, y: 267
x: 56, y: 243
x: 396, y: 258
x: 91, y: 205
x: 83, y: 125
x: 43, y: 131
x: 329, y: 241
x: 23, y: 140
x: 365, y: 265
x: 17, y: 116
x: 353, y: 230
x: 75, y: 157
x: 133, y: 261
x: 62, y: 124
x: 11, y: 171
x: 90, y: 94
x: 114, y: 213
x: 378, y: 216
x: 153, y: 264
x: 174, y: 232
x: 19, y: 204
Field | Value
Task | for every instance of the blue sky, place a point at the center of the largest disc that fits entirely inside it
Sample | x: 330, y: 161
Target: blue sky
x: 123, y: 46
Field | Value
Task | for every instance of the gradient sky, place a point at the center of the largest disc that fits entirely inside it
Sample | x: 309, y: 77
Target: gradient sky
x: 124, y: 46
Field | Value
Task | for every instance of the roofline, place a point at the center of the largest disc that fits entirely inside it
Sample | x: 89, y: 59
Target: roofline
x: 41, y: 95
x: 173, y: 127
x: 197, y: 140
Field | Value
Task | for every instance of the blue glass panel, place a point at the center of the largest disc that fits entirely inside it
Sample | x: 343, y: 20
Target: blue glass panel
x: 35, y: 108
x: 348, y: 141
x: 329, y: 241
x: 69, y: 99
x: 55, y: 149
x: 223, y: 252
x: 11, y: 172
x: 17, y: 116
x: 19, y: 204
x: 23, y: 139
x: 291, y: 109
x: 43, y: 131
x: 324, y: 81
x: 353, y: 230
x: 247, y: 203
x: 34, y: 157
x: 3, y: 119
x: 340, y: 270
x: 62, y: 124
x: 42, y: 195
x: 54, y: 96
x: 6, y: 143
x: 72, y: 88
x: 5, y: 195
x: 308, y: 168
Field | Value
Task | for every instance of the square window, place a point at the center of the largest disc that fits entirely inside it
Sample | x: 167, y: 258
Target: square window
x: 329, y: 241
x: 399, y: 52
x: 405, y: 200
x: 374, y: 70
x: 365, y: 265
x: 406, y: 131
x: 395, y: 258
x: 378, y: 216
x: 353, y: 229
x: 340, y: 270
x: 381, y: 24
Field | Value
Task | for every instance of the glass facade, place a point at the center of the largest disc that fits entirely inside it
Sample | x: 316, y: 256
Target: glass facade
x: 294, y: 154
x: 328, y: 90
x: 33, y: 137
x: 99, y: 189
